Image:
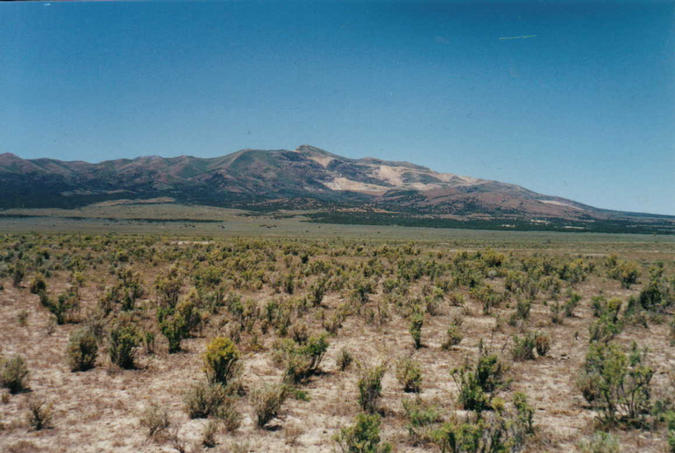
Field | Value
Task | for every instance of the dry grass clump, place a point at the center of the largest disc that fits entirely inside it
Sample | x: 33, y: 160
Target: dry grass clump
x: 204, y: 399
x: 155, y: 419
x: 266, y: 401
x: 40, y: 414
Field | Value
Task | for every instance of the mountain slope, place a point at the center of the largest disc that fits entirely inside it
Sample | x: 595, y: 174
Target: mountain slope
x: 307, y: 177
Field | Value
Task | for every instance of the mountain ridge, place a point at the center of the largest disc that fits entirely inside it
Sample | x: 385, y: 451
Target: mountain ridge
x: 307, y: 177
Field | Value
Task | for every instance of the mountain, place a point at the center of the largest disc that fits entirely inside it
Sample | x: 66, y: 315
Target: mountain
x: 338, y: 189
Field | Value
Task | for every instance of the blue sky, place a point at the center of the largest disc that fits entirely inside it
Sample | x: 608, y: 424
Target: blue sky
x: 580, y: 103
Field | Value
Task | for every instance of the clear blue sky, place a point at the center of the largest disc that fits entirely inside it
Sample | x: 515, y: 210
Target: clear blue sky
x: 580, y: 103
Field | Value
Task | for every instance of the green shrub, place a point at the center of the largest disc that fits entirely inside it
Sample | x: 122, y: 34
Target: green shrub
x: 453, y: 437
x: 168, y: 289
x: 361, y: 290
x: 616, y: 383
x: 344, y: 359
x: 127, y: 289
x: 603, y: 330
x: 266, y: 401
x: 476, y: 384
x: 556, y: 309
x: 523, y: 348
x: 670, y: 424
x: 123, y: 340
x: 82, y: 350
x: 17, y: 274
x: 453, y: 337
x: 317, y: 291
x: 409, y: 374
x: 603, y: 307
x: 626, y: 272
x: 523, y: 419
x: 501, y: 431
x: 608, y: 324
x: 303, y: 361
x: 173, y: 326
x: 14, y: 374
x: 221, y: 361
x: 571, y: 304
x: 370, y: 387
x: 63, y: 306
x: 38, y: 284
x: 204, y: 399
x: 188, y: 308
x: 416, y: 323
x: 523, y: 309
x: 363, y: 436
x: 420, y: 416
x: 657, y: 296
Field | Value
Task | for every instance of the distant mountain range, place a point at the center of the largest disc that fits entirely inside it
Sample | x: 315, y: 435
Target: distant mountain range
x: 334, y: 188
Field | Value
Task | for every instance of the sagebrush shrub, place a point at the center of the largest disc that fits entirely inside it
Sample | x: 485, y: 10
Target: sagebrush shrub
x: 453, y: 337
x: 409, y: 374
x: 556, y: 309
x: 420, y: 416
x: 523, y: 347
x: 302, y: 361
x: 221, y: 360
x: 63, y: 307
x: 571, y: 304
x: 542, y: 343
x: 626, y: 272
x: 266, y: 401
x: 209, y: 434
x: 616, y: 383
x: 155, y: 419
x: 523, y: 308
x: 38, y: 284
x: 203, y: 399
x: 40, y: 414
x: 123, y: 340
x: 82, y: 350
x: 344, y: 359
x: 14, y: 374
x: 416, y: 323
x: 499, y: 431
x: 18, y: 273
x: 370, y: 387
x: 228, y: 415
x: 363, y: 436
x: 477, y: 383
x: 658, y: 295
x: 173, y: 327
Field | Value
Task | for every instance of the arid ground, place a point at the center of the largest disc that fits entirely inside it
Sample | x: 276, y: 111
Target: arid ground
x: 293, y: 310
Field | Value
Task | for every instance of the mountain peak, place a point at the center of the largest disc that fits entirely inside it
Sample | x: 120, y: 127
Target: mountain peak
x: 9, y: 156
x: 310, y: 149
